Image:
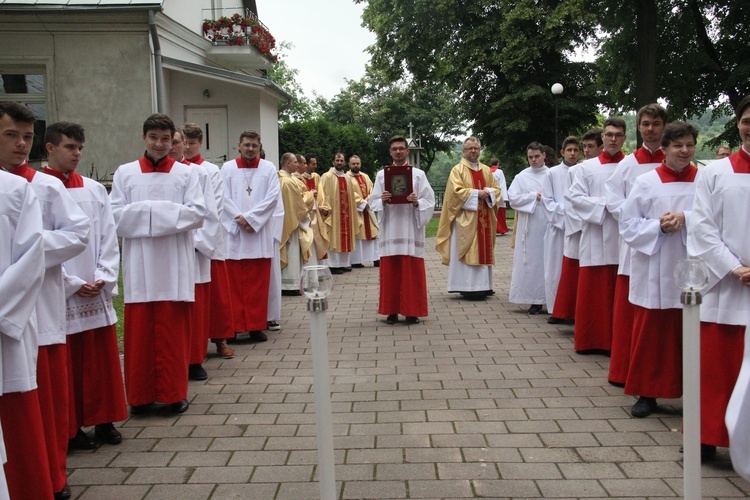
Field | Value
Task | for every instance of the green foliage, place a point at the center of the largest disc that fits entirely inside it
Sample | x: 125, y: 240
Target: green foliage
x: 499, y: 57
x: 325, y: 138
x: 301, y: 108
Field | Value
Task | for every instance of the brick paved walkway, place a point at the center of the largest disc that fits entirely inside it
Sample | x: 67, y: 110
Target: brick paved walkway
x: 478, y: 401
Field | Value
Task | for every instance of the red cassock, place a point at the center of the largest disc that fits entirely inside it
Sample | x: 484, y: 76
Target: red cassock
x: 596, y: 295
x: 249, y: 280
x: 97, y: 395
x: 622, y: 331
x: 725, y: 343
x: 25, y: 454
x: 52, y: 377
x: 201, y: 323
x: 221, y: 325
x: 567, y: 290
x: 403, y: 286
x: 157, y: 347
x: 656, y: 358
x: 502, y: 223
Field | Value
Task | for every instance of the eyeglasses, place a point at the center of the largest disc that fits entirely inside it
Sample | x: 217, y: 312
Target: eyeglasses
x: 610, y: 135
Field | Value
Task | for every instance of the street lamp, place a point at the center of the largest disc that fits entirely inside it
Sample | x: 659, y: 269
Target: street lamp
x: 557, y: 89
x: 691, y: 276
x: 316, y: 284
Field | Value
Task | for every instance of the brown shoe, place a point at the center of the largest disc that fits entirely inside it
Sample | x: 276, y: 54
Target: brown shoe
x: 223, y: 350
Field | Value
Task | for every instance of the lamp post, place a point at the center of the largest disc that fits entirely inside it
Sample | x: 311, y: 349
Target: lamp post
x: 691, y: 276
x: 557, y: 89
x: 316, y: 284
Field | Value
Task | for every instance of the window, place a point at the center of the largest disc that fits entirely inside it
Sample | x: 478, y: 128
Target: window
x: 29, y: 89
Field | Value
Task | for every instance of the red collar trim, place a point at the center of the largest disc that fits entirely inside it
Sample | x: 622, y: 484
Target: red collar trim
x: 196, y: 159
x: 73, y: 180
x: 740, y: 162
x: 667, y: 175
x: 243, y: 163
x: 605, y: 158
x: 643, y: 155
x: 163, y: 166
x: 23, y: 170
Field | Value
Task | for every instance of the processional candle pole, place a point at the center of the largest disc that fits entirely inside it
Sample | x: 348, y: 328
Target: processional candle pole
x: 691, y: 276
x: 316, y: 284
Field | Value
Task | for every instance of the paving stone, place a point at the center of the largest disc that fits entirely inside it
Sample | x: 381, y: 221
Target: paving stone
x: 181, y: 491
x: 440, y: 489
x: 112, y: 492
x: 374, y: 489
x: 160, y: 475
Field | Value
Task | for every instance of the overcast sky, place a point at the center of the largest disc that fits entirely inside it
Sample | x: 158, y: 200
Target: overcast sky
x: 328, y: 38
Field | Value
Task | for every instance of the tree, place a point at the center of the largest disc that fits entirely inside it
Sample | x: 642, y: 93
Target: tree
x: 301, y: 108
x: 499, y: 57
x: 387, y: 108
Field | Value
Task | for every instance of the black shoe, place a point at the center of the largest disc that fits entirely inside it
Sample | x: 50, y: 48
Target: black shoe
x: 474, y: 295
x: 358, y: 266
x: 81, y: 441
x: 708, y: 452
x: 376, y: 263
x: 258, y: 336
x: 643, y: 407
x: 555, y: 321
x: 347, y: 269
x: 273, y: 326
x: 535, y: 309
x: 139, y: 409
x: 180, y: 406
x: 196, y: 372
x: 412, y: 320
x: 106, y: 433
x: 392, y: 319
x: 64, y: 494
x: 337, y: 270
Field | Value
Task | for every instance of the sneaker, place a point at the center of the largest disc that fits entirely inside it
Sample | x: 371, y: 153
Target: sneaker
x: 643, y: 407
x: 223, y: 350
x: 273, y: 326
x: 258, y: 336
x: 412, y: 320
x: 196, y: 372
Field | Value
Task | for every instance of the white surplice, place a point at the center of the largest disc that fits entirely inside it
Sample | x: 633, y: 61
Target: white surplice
x: 66, y: 233
x: 402, y: 225
x: 717, y: 235
x: 254, y: 194
x: 274, y: 285
x: 503, y: 185
x: 99, y: 261
x: 573, y: 224
x: 21, y: 276
x: 655, y: 253
x: 554, y: 188
x: 155, y: 214
x: 600, y: 236
x: 527, y: 278
x: 617, y: 188
x: 206, y: 236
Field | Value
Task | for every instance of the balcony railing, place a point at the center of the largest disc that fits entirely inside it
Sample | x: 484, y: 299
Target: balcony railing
x: 239, y: 28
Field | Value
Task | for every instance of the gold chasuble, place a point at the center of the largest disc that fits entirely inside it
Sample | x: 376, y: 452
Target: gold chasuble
x: 296, y: 209
x: 475, y: 231
x: 368, y: 223
x: 336, y: 195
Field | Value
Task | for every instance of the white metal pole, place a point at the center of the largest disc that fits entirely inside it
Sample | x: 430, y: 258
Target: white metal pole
x: 322, y: 385
x: 691, y: 394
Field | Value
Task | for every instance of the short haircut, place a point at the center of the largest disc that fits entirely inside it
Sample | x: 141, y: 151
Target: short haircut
x: 287, y: 157
x: 310, y: 156
x: 355, y: 156
x: 178, y: 130
x: 571, y: 139
x: 595, y: 134
x: 677, y: 130
x: 56, y: 131
x: 17, y: 112
x: 192, y: 131
x: 339, y: 154
x: 615, y: 121
x: 472, y: 138
x: 249, y: 134
x: 398, y: 138
x: 494, y: 161
x: 158, y: 121
x: 744, y: 103
x: 537, y: 146
x: 724, y: 146
x: 299, y: 157
x: 653, y: 110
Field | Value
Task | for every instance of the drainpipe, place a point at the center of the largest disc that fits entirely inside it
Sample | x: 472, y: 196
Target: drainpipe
x: 160, y: 92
